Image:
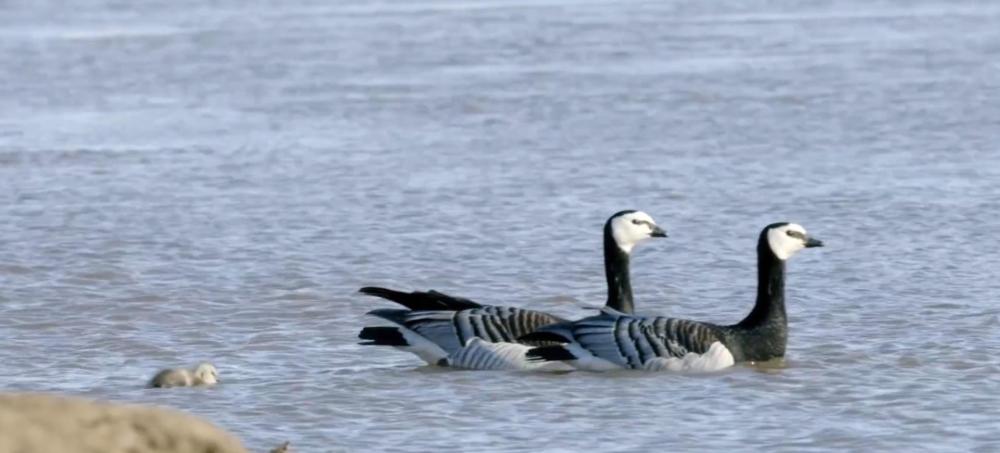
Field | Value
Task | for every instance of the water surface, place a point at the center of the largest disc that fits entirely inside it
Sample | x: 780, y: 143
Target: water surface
x: 182, y: 181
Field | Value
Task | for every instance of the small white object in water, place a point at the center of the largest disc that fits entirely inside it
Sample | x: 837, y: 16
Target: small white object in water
x: 204, y: 374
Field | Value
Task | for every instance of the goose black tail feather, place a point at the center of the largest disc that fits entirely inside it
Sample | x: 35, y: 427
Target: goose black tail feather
x: 549, y: 354
x: 395, y: 315
x: 382, y: 336
x: 542, y: 337
x: 420, y: 300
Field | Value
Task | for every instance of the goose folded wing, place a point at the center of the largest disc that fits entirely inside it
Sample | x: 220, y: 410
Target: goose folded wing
x: 631, y: 341
x: 451, y: 330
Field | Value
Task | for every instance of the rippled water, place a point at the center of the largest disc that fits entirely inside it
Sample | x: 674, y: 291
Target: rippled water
x: 182, y: 181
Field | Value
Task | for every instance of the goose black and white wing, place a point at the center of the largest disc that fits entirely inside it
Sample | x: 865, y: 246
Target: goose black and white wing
x: 436, y: 335
x: 613, y: 340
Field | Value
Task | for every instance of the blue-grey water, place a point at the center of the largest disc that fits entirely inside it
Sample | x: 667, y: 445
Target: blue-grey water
x: 213, y: 180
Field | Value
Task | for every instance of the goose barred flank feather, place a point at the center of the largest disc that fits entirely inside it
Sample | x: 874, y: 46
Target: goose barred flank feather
x: 481, y: 355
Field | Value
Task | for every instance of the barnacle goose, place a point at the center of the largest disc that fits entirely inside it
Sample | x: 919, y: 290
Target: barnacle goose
x: 457, y: 332
x: 615, y: 340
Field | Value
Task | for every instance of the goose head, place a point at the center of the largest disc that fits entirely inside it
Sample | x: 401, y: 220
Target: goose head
x: 629, y: 228
x: 785, y: 239
x: 206, y: 373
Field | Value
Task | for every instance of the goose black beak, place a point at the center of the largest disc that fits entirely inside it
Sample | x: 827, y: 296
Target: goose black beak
x: 658, y: 232
x: 813, y: 242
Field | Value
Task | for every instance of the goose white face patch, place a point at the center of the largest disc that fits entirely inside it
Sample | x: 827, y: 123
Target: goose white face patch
x: 631, y: 229
x: 786, y: 240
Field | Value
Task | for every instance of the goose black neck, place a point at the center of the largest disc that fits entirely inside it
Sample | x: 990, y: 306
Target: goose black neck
x: 617, y: 272
x: 769, y: 309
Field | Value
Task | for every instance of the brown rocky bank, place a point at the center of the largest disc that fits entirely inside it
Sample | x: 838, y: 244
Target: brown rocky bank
x: 31, y: 423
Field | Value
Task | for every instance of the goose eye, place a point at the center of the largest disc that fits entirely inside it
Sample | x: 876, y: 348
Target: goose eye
x: 795, y: 234
x: 636, y: 222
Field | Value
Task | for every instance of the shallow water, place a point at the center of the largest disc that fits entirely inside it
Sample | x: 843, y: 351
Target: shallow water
x: 182, y: 181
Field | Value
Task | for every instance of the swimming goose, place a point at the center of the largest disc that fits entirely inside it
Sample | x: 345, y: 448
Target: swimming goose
x: 204, y: 374
x: 457, y: 332
x: 614, y: 340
